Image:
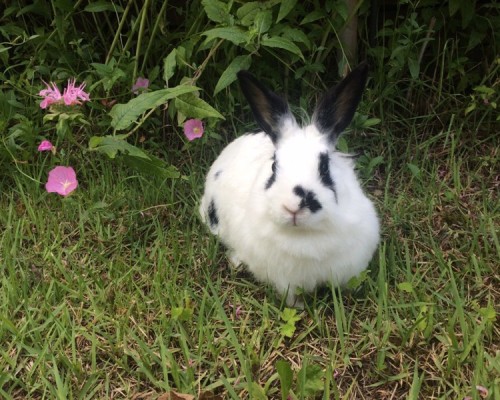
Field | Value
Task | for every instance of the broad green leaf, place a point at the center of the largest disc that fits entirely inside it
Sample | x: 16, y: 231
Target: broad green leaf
x: 488, y: 313
x: 310, y: 380
x: 112, y: 145
x: 414, y: 67
x: 370, y: 122
x: 229, y: 75
x: 295, y: 35
x: 216, y: 10
x: 152, y: 166
x: 256, y: 392
x: 282, y: 43
x: 415, y: 170
x: 405, y: 287
x: 169, y: 64
x: 192, y: 106
x: 290, y: 315
x: 286, y: 377
x: 288, y: 329
x: 313, y: 16
x: 100, y: 6
x: 356, y: 281
x: 285, y: 8
x: 123, y: 115
x: 453, y: 6
x: 232, y: 33
x: 247, y: 12
x: 263, y: 21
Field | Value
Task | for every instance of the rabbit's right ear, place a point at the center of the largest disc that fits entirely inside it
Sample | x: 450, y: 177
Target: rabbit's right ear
x: 269, y: 109
x: 336, y: 108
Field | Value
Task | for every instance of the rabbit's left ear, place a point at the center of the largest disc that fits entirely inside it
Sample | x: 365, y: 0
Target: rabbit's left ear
x: 336, y: 108
x: 270, y: 110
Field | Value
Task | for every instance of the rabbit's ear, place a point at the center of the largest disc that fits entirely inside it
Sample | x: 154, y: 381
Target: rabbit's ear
x: 336, y: 108
x: 270, y: 110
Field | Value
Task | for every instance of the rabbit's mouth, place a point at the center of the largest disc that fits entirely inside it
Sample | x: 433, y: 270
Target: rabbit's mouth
x: 295, y: 217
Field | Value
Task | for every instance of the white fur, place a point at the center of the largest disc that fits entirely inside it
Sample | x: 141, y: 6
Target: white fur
x: 329, y: 246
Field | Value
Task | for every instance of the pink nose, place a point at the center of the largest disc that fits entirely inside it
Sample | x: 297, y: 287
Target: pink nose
x: 293, y: 214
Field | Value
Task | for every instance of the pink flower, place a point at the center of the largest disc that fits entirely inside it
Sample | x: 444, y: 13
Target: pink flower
x: 62, y: 180
x: 45, y: 146
x: 72, y: 93
x: 193, y: 129
x: 140, y: 85
x: 50, y: 95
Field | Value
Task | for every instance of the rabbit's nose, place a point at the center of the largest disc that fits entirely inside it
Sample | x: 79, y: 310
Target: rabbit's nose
x: 307, y: 199
x: 293, y: 214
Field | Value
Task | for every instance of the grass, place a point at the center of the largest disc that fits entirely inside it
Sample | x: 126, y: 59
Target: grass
x: 119, y: 292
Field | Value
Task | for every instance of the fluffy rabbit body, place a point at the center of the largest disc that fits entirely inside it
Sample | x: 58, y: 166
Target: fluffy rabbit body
x: 285, y: 202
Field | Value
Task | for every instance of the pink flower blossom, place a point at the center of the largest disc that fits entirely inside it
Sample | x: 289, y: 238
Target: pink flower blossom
x: 50, y: 95
x: 62, y: 180
x: 140, y: 85
x: 193, y: 129
x: 72, y: 93
x: 45, y: 145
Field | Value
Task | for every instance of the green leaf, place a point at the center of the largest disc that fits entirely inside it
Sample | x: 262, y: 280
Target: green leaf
x: 256, y: 392
x: 282, y: 43
x: 405, y: 287
x: 356, y: 281
x: 182, y: 313
x: 286, y: 377
x: 169, y: 65
x: 232, y: 33
x: 123, y: 115
x: 414, y: 67
x: 216, y: 10
x: 290, y: 315
x: 112, y: 145
x: 247, y: 12
x: 415, y: 170
x: 288, y: 329
x: 285, y: 8
x: 263, y: 21
x: 100, y: 6
x: 371, y: 122
x: 192, y: 106
x: 453, y: 6
x: 488, y: 313
x: 313, y: 16
x: 310, y: 380
x: 229, y: 75
x: 152, y: 166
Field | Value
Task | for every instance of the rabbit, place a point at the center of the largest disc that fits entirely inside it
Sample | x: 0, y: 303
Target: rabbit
x: 285, y: 202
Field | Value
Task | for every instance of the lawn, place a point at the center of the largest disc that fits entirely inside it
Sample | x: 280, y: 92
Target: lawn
x: 118, y: 291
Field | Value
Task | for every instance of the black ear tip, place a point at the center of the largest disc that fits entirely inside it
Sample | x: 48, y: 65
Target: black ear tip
x: 244, y: 75
x: 361, y: 69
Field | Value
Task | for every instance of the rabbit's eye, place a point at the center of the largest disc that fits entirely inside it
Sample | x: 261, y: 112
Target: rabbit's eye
x: 272, y: 178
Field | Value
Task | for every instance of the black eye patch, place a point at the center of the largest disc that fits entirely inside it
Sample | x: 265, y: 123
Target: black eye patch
x: 213, y: 218
x: 324, y: 173
x: 272, y: 178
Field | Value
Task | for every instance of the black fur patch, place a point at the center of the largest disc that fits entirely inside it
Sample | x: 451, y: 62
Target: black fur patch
x: 213, y: 218
x: 308, y: 199
x: 272, y: 178
x: 324, y: 173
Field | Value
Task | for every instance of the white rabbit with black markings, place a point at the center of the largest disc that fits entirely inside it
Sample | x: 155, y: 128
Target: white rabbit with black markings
x: 285, y: 202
